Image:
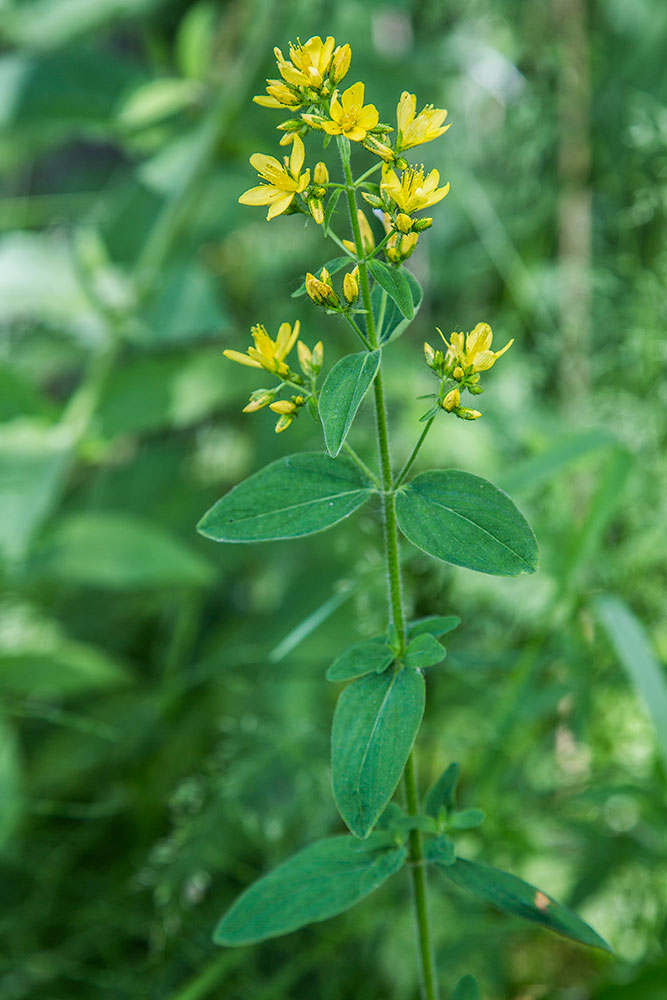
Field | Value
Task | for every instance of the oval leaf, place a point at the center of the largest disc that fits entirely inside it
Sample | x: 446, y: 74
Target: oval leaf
x: 372, y: 656
x: 297, y: 495
x: 466, y: 521
x: 433, y: 625
x: 374, y: 727
x: 395, y: 284
x: 346, y: 385
x: 424, y: 651
x: 512, y: 895
x: 324, y: 879
x: 390, y: 322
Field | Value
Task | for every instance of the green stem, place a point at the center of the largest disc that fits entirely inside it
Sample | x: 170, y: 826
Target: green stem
x: 358, y: 461
x: 357, y: 329
x: 418, y: 872
x: 415, y: 451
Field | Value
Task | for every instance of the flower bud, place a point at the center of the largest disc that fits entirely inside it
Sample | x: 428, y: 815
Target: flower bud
x: 380, y: 149
x: 325, y: 277
x: 316, y: 210
x: 429, y: 354
x: 351, y: 285
x: 320, y: 174
x: 340, y: 63
x: 320, y: 292
x: 317, y: 357
x: 367, y: 238
x: 403, y: 222
x: 465, y: 413
x: 291, y: 125
x: 458, y: 373
x: 451, y: 400
x: 401, y: 163
x: 382, y: 128
x: 419, y: 225
x: 258, y: 399
x: 372, y: 199
x: 283, y: 423
x: 305, y: 357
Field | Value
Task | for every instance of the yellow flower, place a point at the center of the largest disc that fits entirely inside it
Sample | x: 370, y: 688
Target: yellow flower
x: 472, y: 350
x: 351, y: 285
x: 414, y: 131
x: 268, y: 354
x: 308, y: 64
x: 451, y: 400
x: 413, y: 191
x: 340, y: 62
x: 349, y: 116
x: 283, y: 182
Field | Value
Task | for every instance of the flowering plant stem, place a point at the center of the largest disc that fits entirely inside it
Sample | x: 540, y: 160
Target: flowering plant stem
x: 394, y: 583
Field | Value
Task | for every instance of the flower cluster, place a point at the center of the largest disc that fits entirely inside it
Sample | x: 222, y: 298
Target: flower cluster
x: 459, y: 367
x: 269, y: 355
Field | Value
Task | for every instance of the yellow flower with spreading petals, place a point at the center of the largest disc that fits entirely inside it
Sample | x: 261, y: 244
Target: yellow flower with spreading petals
x: 350, y: 116
x: 413, y: 131
x: 269, y: 354
x: 283, y: 182
x: 413, y: 191
x: 472, y: 350
x: 308, y: 64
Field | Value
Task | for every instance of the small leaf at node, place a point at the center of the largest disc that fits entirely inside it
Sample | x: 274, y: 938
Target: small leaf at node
x: 443, y: 793
x: 320, y: 881
x: 433, y: 625
x: 467, y: 521
x: 467, y: 819
x: 342, y: 393
x: 371, y: 656
x: 374, y: 727
x: 512, y: 895
x: 441, y: 851
x: 424, y: 651
x: 297, y: 495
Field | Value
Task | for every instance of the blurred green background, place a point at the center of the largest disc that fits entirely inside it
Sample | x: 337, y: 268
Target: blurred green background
x: 164, y: 726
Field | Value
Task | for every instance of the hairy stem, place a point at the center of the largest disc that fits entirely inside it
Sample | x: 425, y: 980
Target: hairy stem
x: 415, y: 451
x: 392, y: 555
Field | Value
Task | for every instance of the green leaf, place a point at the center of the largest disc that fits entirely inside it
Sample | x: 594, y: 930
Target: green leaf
x: 433, y: 625
x: 512, y: 895
x: 333, y: 266
x: 390, y: 322
x: 395, y: 284
x: 467, y: 819
x: 374, y: 727
x: 157, y: 99
x: 195, y: 40
x: 371, y: 656
x: 442, y: 795
x: 59, y: 667
x: 116, y: 551
x: 424, y: 651
x: 328, y: 214
x: 467, y: 989
x: 342, y: 393
x: 11, y: 782
x: 319, y: 882
x: 441, y: 851
x: 294, y: 496
x: 466, y: 521
x: 631, y: 644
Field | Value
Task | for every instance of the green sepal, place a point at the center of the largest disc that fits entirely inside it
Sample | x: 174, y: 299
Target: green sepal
x: 395, y: 284
x: 319, y: 882
x: 423, y: 651
x: 514, y: 896
x: 467, y: 521
x: 374, y: 727
x: 433, y: 625
x: 442, y: 794
x: 342, y: 394
x: 368, y: 657
x: 294, y: 496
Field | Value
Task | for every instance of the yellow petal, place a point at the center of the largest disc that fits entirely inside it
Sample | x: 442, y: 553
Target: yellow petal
x: 353, y: 97
x: 479, y: 339
x: 436, y: 196
x: 405, y: 110
x: 264, y: 164
x: 369, y: 117
x: 332, y: 128
x: 297, y: 157
x: 264, y: 194
x: 267, y: 102
x: 242, y: 359
x: 280, y: 205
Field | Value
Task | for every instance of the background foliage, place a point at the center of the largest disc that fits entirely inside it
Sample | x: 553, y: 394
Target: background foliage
x: 163, y: 737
